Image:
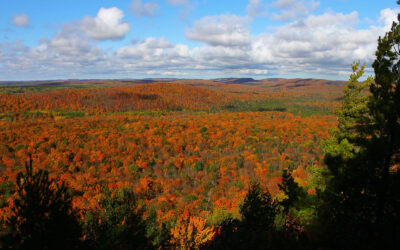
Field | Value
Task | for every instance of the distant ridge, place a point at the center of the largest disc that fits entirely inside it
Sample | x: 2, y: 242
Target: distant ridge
x: 270, y: 82
x: 236, y: 80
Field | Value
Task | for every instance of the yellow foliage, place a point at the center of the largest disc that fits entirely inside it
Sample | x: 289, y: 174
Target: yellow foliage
x: 190, y: 232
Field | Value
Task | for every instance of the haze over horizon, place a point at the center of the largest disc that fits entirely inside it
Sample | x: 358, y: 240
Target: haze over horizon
x: 45, y: 40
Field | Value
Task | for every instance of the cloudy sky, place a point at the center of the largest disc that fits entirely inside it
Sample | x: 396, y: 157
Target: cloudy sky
x: 47, y: 39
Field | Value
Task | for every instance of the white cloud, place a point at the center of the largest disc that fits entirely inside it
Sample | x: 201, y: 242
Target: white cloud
x: 179, y: 51
x: 323, y: 44
x: 387, y: 16
x: 223, y: 30
x: 293, y: 9
x: 222, y: 54
x: 20, y: 20
x: 144, y: 9
x: 70, y: 45
x: 149, y: 47
x: 178, y: 2
x: 69, y: 52
x: 253, y: 71
x: 256, y: 8
x: 186, y: 7
x: 107, y: 25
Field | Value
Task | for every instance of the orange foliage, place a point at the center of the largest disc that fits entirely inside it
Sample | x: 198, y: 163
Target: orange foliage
x: 190, y: 232
x: 173, y: 162
x: 157, y: 96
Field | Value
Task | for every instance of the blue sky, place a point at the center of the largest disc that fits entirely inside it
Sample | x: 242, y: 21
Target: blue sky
x: 46, y: 39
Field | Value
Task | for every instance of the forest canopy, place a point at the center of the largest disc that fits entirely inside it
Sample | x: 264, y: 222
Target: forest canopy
x: 274, y: 164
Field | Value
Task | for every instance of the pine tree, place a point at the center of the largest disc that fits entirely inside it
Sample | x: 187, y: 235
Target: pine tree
x: 384, y: 147
x: 346, y: 208
x: 292, y: 191
x: 361, y: 201
x: 258, y: 210
x: 256, y: 230
x: 156, y: 232
x: 119, y: 225
x: 43, y: 217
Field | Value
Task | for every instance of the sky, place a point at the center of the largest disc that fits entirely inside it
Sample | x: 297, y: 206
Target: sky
x: 132, y: 39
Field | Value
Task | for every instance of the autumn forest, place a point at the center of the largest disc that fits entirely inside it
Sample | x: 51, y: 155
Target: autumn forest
x: 229, y: 163
x: 178, y: 148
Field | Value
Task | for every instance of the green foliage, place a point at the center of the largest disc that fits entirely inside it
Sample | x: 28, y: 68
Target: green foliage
x: 258, y: 210
x: 346, y: 205
x: 199, y: 166
x: 157, y: 233
x: 257, y: 228
x: 239, y: 162
x: 69, y: 113
x: 190, y: 197
x: 119, y: 225
x: 383, y: 148
x: 298, y: 209
x: 42, y: 215
x: 361, y: 200
x: 292, y: 192
x: 354, y: 112
x: 17, y: 89
x: 6, y: 190
x: 294, y: 105
x: 218, y: 217
x: 141, y: 113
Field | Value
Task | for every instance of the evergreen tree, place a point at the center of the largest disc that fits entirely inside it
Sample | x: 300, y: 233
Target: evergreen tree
x: 384, y: 148
x: 258, y: 210
x: 256, y: 230
x: 119, y: 225
x: 346, y: 207
x: 292, y: 191
x: 43, y: 217
x: 361, y: 201
x: 296, y: 211
x: 158, y: 233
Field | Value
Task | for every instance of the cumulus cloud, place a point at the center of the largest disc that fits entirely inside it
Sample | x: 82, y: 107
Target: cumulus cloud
x: 222, y: 55
x: 107, y: 25
x: 70, y: 45
x: 144, y: 9
x: 149, y: 47
x: 387, y: 16
x: 327, y: 43
x: 292, y: 9
x: 256, y: 8
x: 20, y: 20
x: 319, y: 44
x: 253, y: 71
x: 69, y: 52
x: 223, y: 30
x: 186, y: 7
x: 155, y: 57
x: 316, y: 45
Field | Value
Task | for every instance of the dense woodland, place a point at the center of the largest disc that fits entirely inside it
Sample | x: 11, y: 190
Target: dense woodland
x: 272, y: 164
x: 187, y: 154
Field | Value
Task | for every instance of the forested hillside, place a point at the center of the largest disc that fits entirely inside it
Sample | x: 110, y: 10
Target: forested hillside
x: 180, y: 149
x: 228, y: 163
